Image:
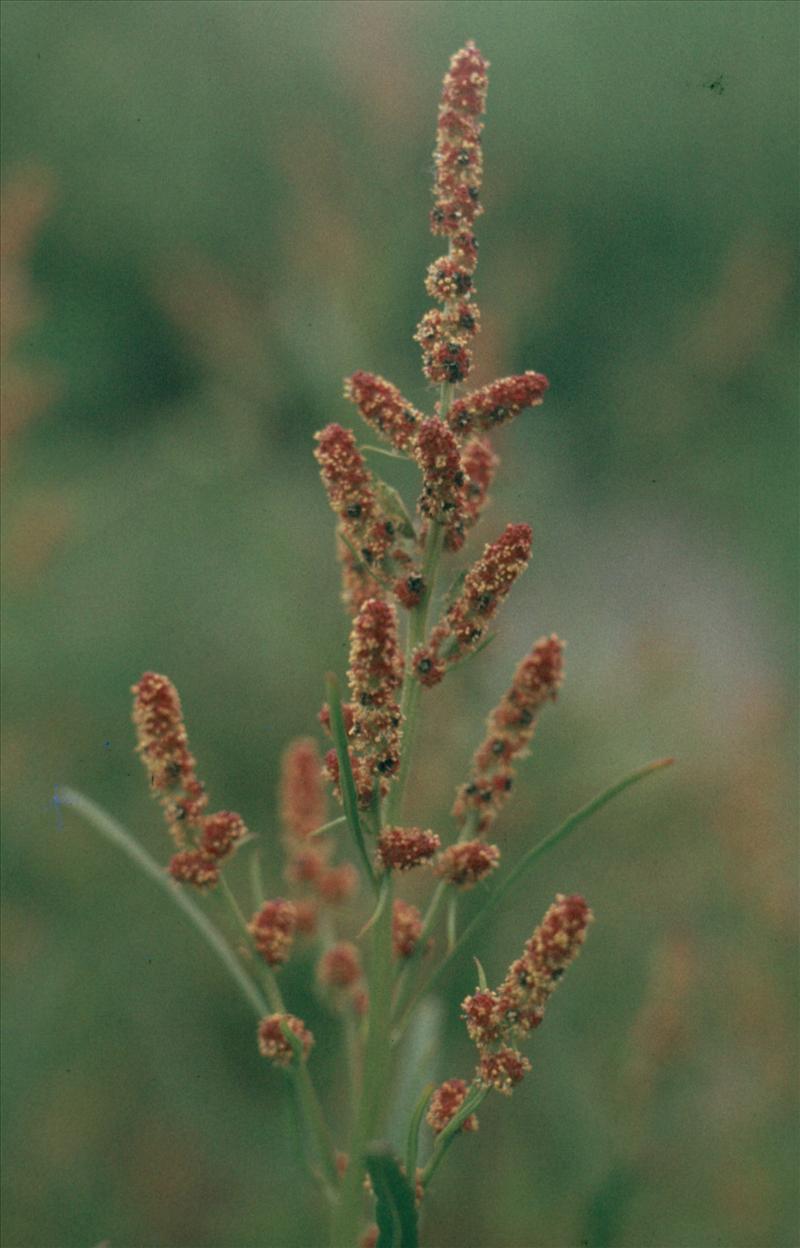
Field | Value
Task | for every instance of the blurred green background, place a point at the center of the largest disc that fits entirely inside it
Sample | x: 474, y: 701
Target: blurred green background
x: 213, y: 212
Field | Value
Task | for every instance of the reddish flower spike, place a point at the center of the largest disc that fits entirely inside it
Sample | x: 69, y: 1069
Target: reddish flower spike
x: 383, y: 407
x: 503, y: 1070
x: 466, y: 864
x: 496, y: 404
x: 339, y: 966
x: 406, y: 928
x: 401, y: 849
x: 221, y: 834
x: 302, y: 799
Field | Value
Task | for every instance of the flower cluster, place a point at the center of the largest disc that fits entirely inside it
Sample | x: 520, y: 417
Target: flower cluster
x: 494, y: 405
x: 383, y: 407
x: 272, y: 1042
x: 204, y: 841
x: 480, y: 465
x: 495, y: 1017
x: 509, y: 730
x: 444, y: 481
x: 485, y: 586
x: 302, y: 810
x: 273, y: 930
x: 406, y: 928
x: 467, y: 863
x: 445, y: 1103
x: 444, y: 334
x: 400, y: 849
x: 340, y: 974
x: 371, y: 546
x: 375, y: 675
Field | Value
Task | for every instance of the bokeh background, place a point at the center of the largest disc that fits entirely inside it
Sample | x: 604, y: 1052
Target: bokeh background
x: 212, y: 213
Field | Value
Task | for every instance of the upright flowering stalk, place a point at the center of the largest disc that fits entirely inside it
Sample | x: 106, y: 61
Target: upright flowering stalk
x: 389, y: 560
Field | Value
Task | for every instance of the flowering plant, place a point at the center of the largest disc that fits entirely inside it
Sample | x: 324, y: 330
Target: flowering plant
x: 390, y: 561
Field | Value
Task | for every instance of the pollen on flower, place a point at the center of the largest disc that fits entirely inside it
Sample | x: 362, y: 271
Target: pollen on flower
x: 406, y: 928
x: 164, y: 748
x: 443, y: 497
x: 192, y: 866
x: 509, y: 730
x: 383, y: 407
x: 467, y: 863
x: 273, y: 1044
x: 221, y: 834
x: 485, y: 1014
x: 485, y: 586
x: 445, y: 1103
x: 375, y: 674
x: 494, y: 405
x: 503, y: 1070
x: 273, y: 929
x: 400, y: 849
x: 556, y: 942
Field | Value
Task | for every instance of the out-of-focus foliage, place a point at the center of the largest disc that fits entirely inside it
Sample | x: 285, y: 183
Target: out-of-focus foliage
x: 215, y: 211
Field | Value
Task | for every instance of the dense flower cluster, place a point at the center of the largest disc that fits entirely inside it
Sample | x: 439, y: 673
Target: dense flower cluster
x: 406, y: 928
x: 372, y: 547
x: 273, y: 1044
x: 444, y: 335
x: 445, y: 1103
x: 485, y: 586
x: 203, y: 841
x: 383, y: 407
x: 509, y: 730
x: 164, y: 748
x: 494, y: 405
x: 400, y: 849
x: 480, y: 465
x: 467, y: 863
x: 444, y: 481
x: 302, y: 798
x: 340, y: 974
x: 375, y: 675
x: 495, y: 1017
x: 273, y: 930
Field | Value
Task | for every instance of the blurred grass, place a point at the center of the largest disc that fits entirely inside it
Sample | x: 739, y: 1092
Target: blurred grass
x: 221, y: 211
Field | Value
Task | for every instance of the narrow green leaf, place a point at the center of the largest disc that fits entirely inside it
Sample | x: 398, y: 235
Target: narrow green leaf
x: 395, y: 1207
x: 482, y: 980
x: 382, y: 450
x: 412, y: 1145
x: 346, y: 781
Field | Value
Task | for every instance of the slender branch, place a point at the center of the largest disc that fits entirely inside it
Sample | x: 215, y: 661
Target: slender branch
x: 107, y: 826
x: 346, y: 781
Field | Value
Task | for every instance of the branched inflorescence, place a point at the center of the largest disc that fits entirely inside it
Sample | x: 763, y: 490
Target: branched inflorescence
x: 388, y: 560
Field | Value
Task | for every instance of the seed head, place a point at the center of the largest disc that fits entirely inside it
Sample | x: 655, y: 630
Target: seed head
x: 191, y: 866
x: 302, y: 799
x: 494, y: 405
x: 164, y: 748
x: 467, y: 863
x: 400, y: 849
x: 273, y: 929
x: 383, y: 407
x: 445, y: 1102
x: 339, y: 966
x: 406, y: 928
x: 503, y: 1070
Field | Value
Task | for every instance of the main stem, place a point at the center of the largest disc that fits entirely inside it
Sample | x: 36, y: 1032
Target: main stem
x: 377, y: 1053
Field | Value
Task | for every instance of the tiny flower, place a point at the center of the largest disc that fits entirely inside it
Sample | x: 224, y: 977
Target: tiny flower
x: 302, y: 799
x: 374, y: 676
x: 497, y: 403
x: 485, y: 1015
x: 503, y: 1070
x: 369, y: 532
x: 339, y: 966
x: 191, y: 866
x: 273, y: 930
x: 555, y: 943
x: 406, y: 928
x: 445, y: 1102
x: 465, y: 864
x: 383, y: 407
x: 448, y: 280
x: 403, y: 848
x: 221, y: 834
x: 272, y: 1043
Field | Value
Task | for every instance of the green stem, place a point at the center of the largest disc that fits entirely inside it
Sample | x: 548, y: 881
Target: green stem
x: 501, y: 893
x: 377, y: 1058
x: 471, y: 1102
x: 327, y: 827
